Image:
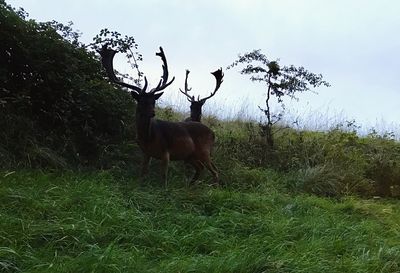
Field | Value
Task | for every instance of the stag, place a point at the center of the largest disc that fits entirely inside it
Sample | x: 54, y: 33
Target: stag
x: 197, y: 104
x: 191, y: 142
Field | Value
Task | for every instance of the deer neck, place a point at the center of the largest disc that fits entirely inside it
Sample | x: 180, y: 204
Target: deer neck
x: 195, y: 117
x: 143, y: 128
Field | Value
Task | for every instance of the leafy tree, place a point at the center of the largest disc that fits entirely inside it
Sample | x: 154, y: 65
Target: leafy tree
x: 280, y: 82
x: 54, y: 99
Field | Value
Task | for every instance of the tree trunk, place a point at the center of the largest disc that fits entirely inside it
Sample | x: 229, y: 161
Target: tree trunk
x: 269, y: 136
x: 268, y: 128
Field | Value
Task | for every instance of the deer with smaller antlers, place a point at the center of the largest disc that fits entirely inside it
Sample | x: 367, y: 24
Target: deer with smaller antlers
x: 191, y: 142
x: 197, y: 104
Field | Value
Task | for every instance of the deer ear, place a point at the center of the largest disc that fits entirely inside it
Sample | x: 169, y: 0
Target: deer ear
x: 135, y: 95
x: 157, y: 96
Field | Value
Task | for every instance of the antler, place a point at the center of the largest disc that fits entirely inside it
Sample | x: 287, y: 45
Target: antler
x: 187, y: 89
x: 164, y: 79
x: 107, y: 57
x: 218, y: 77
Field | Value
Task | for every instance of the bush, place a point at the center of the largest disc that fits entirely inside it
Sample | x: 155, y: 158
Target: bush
x: 328, y: 180
x: 54, y: 102
x: 383, y: 157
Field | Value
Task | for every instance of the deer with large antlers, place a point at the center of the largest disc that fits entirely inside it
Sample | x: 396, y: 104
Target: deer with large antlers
x: 197, y: 104
x: 191, y: 142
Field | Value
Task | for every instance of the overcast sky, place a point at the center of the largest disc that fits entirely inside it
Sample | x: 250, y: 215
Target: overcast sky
x: 354, y: 44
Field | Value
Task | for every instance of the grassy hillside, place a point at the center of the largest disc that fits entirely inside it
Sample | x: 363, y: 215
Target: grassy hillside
x: 99, y: 222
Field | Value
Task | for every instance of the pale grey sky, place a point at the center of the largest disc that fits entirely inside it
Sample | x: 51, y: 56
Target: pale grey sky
x: 354, y: 44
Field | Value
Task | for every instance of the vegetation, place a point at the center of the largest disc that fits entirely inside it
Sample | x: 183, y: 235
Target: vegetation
x: 99, y: 223
x: 280, y: 82
x: 70, y: 200
x: 54, y: 102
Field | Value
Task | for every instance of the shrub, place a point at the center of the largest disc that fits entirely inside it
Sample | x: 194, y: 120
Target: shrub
x: 329, y: 180
x: 54, y: 103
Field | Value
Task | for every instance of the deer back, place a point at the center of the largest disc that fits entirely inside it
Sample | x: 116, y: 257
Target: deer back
x: 181, y: 140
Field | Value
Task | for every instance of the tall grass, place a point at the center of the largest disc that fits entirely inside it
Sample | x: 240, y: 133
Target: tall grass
x: 336, y: 161
x: 69, y: 222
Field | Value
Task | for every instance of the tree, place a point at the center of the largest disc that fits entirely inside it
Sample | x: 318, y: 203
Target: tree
x: 55, y: 102
x: 280, y: 82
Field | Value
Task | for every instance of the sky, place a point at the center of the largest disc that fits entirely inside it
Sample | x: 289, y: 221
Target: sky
x: 354, y: 44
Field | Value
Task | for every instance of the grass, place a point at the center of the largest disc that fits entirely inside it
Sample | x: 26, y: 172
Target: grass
x: 99, y: 222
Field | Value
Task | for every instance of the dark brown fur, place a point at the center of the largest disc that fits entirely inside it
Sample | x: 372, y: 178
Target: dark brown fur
x: 191, y: 142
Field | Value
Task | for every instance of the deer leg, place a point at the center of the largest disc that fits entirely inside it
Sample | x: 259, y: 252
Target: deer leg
x: 198, y: 166
x: 164, y: 168
x: 145, y: 167
x: 213, y: 170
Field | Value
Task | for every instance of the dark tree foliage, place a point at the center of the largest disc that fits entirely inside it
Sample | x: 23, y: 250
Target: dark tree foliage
x: 55, y: 104
x: 123, y: 44
x: 280, y: 82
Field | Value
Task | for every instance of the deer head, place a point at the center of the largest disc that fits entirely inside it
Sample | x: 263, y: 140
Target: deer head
x: 146, y: 100
x: 197, y: 104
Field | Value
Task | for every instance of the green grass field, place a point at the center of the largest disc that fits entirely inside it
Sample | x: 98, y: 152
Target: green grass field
x: 99, y: 222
